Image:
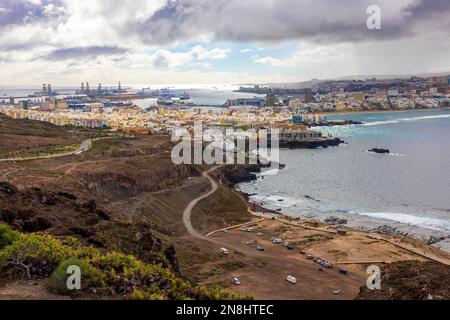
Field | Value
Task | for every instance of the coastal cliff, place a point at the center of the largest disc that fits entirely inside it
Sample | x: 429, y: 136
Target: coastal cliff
x: 312, y: 144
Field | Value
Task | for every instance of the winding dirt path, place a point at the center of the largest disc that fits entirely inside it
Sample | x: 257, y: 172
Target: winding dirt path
x: 187, y: 213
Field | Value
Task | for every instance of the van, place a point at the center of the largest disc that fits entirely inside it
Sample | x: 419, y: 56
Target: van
x: 291, y: 279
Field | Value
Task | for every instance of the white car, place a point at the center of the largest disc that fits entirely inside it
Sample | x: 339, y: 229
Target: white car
x: 223, y: 251
x: 291, y: 279
x: 277, y: 241
x: 236, y: 282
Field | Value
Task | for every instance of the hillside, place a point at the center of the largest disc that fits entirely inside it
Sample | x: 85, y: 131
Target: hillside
x: 91, y: 200
x: 11, y: 126
x: 28, y: 137
x: 411, y: 280
x: 110, y: 274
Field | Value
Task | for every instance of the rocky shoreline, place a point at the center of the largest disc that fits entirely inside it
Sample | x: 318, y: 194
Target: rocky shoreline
x: 245, y: 173
x: 312, y: 144
x: 248, y: 173
x: 333, y: 123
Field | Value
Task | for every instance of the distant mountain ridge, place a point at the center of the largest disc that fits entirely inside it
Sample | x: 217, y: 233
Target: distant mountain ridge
x: 315, y: 82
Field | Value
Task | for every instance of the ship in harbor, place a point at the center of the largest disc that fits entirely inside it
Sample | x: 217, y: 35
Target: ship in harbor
x: 184, y: 96
x: 164, y: 94
x: 165, y: 101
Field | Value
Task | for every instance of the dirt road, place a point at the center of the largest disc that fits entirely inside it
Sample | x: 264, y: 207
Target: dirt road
x: 188, y: 211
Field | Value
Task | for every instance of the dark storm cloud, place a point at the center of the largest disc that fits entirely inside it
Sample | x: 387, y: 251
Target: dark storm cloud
x: 426, y: 9
x: 262, y: 20
x: 220, y: 20
x: 83, y: 52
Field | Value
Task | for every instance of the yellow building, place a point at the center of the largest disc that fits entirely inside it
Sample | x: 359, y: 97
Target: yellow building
x: 341, y: 106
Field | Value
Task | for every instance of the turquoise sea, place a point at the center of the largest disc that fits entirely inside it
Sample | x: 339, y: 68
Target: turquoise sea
x: 408, y: 189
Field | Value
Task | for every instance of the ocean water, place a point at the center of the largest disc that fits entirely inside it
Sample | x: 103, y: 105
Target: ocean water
x: 208, y: 95
x: 408, y: 189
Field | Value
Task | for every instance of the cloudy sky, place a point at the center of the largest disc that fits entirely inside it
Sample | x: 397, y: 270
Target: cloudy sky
x: 64, y: 42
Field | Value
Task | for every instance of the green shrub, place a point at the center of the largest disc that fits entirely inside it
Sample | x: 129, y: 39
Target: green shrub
x: 36, y: 247
x: 118, y: 273
x: 90, y: 276
x: 7, y: 236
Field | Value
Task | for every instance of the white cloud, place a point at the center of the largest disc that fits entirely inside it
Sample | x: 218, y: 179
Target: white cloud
x: 309, y: 54
x: 213, y: 54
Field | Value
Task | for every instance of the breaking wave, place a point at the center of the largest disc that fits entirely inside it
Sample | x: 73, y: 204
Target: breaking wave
x: 403, y: 218
x: 378, y: 123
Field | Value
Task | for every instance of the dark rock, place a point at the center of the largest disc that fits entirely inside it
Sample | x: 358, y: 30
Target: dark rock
x: 388, y: 229
x: 8, y: 188
x: 36, y: 224
x: 47, y: 200
x: 103, y: 214
x: 92, y: 221
x: 435, y: 239
x: 67, y: 195
x: 313, y: 144
x: 379, y: 150
x: 85, y: 233
x: 335, y: 220
x: 96, y: 242
x: 170, y: 254
x: 332, y: 123
x: 89, y: 205
x: 246, y: 172
x: 150, y: 242
x: 240, y: 175
x: 8, y: 214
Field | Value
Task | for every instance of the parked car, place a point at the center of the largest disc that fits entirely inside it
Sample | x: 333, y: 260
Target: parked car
x: 321, y: 262
x: 260, y: 234
x: 250, y: 242
x: 277, y: 241
x: 259, y: 248
x: 250, y: 229
x: 289, y: 247
x: 291, y: 279
x: 343, y: 271
x: 310, y: 257
x: 236, y: 282
x: 223, y: 251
